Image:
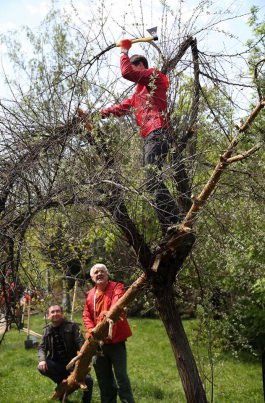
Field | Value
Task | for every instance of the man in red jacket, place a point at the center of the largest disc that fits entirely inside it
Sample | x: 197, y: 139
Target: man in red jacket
x: 99, y: 300
x: 149, y: 102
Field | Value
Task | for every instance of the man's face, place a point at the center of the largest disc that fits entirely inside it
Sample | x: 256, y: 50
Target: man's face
x: 139, y: 67
x: 100, y: 278
x: 55, y: 315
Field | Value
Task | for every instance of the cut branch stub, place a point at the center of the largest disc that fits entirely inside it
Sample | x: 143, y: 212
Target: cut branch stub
x: 174, y: 241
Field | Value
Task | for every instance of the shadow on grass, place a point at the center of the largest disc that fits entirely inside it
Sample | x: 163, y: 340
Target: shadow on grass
x: 152, y: 392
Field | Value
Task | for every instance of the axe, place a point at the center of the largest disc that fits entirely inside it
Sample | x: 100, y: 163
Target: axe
x: 153, y: 37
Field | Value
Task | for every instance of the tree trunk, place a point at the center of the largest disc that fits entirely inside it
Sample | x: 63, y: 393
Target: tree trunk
x: 66, y: 301
x: 48, y: 281
x: 186, y: 364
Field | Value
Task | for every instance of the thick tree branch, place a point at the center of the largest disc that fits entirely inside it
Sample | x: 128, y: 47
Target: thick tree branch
x: 171, y: 64
x: 196, y: 86
x: 252, y: 116
x: 119, y: 212
x: 181, y: 178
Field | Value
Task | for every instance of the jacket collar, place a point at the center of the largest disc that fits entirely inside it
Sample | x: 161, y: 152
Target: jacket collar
x: 50, y: 327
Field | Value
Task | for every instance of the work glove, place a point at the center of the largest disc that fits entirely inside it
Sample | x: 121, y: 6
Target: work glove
x: 125, y: 44
x: 84, y: 117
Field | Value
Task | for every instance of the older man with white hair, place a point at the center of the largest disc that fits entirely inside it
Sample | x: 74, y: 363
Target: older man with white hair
x: 111, y: 366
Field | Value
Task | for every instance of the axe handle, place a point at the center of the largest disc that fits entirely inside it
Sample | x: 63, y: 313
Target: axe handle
x: 147, y: 39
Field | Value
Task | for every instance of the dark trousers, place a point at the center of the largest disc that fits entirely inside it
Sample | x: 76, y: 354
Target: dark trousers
x: 155, y: 151
x: 111, y: 372
x: 57, y: 373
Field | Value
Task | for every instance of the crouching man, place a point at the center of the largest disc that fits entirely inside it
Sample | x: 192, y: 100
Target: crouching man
x: 60, y: 342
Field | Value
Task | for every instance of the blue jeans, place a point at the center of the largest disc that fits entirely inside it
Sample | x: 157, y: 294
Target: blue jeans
x: 57, y: 373
x: 111, y: 372
x: 155, y: 151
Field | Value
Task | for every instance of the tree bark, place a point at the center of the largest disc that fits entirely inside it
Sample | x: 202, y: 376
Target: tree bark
x: 66, y: 301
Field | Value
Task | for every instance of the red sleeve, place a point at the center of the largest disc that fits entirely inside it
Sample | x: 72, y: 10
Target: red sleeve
x: 119, y: 109
x: 141, y: 77
x: 88, y: 315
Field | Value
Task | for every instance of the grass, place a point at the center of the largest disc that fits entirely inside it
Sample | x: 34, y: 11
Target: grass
x: 151, y: 367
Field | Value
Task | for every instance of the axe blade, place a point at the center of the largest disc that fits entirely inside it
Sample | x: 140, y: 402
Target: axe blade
x: 153, y: 33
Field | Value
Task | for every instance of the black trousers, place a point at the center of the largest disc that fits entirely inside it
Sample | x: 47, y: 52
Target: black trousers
x: 57, y: 373
x: 111, y: 371
x: 156, y: 147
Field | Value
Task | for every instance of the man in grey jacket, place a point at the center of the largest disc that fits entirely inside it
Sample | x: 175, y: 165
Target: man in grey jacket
x: 60, y: 342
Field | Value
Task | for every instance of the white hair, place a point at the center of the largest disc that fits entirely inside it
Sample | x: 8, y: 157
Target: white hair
x: 96, y: 267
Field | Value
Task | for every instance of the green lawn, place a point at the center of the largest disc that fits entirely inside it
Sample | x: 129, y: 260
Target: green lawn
x: 152, y: 370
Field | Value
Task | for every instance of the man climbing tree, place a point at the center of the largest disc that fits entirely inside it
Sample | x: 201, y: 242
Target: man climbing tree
x: 150, y: 109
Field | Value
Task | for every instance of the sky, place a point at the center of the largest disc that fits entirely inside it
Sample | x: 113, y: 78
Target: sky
x: 16, y: 13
